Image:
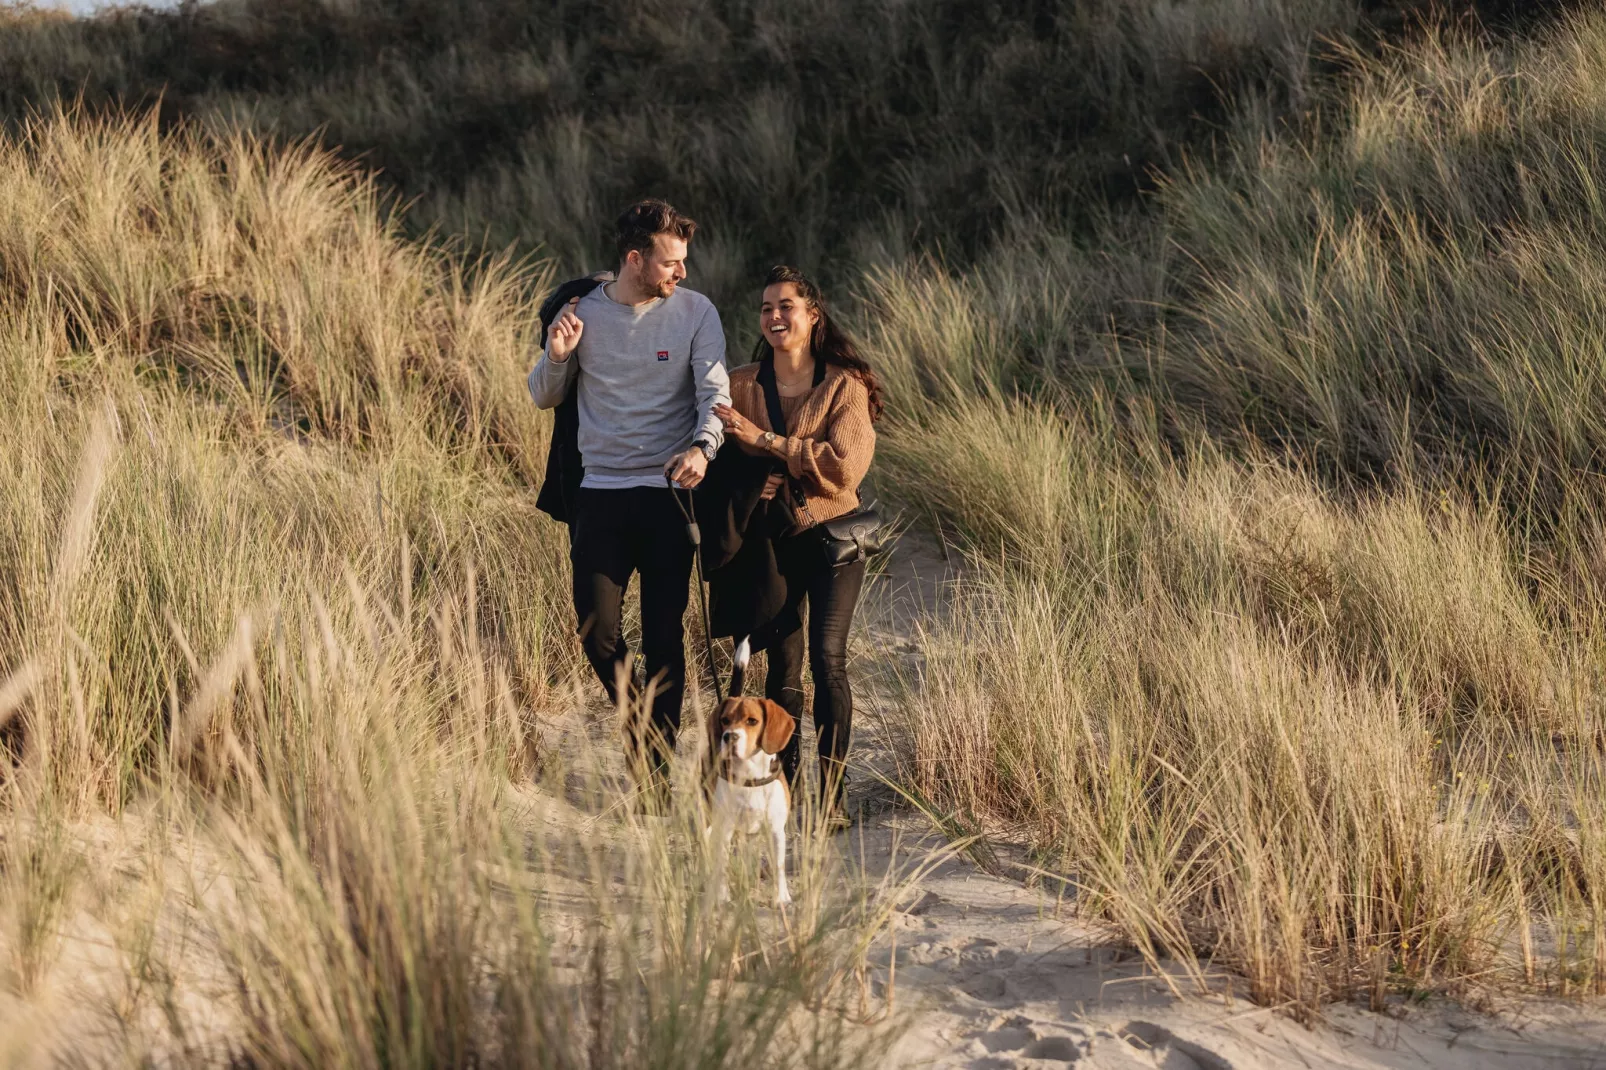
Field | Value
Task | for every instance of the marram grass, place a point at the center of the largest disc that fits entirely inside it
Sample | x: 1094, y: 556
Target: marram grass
x: 1280, y: 638
x: 286, y: 657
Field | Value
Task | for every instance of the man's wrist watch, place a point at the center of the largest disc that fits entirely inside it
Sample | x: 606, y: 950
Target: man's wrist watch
x: 707, y: 447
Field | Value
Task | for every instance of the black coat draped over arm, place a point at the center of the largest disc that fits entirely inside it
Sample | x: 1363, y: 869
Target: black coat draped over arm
x: 746, y: 593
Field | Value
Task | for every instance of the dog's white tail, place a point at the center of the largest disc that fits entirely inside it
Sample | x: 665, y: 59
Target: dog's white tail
x: 739, y: 665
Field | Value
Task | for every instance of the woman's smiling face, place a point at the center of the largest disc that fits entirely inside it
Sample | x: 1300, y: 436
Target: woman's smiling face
x: 785, y: 318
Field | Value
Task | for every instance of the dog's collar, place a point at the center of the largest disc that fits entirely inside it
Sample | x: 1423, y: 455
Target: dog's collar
x: 750, y: 782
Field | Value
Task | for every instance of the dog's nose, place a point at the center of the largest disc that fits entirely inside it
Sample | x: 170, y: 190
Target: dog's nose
x: 729, y: 737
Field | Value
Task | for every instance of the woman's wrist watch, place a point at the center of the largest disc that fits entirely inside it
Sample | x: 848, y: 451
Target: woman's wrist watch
x: 767, y: 440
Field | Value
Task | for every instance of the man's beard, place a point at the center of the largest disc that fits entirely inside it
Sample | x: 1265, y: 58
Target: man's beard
x: 662, y: 289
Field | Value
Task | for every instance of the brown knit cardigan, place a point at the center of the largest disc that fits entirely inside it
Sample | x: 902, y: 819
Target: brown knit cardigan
x: 830, y: 443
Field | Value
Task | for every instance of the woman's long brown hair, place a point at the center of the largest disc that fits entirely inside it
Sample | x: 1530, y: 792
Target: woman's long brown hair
x: 828, y: 342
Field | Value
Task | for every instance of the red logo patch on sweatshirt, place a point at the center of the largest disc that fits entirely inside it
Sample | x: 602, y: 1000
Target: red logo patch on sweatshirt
x: 663, y: 354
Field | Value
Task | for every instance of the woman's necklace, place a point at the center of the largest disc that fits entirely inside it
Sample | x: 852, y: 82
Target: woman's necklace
x: 796, y: 388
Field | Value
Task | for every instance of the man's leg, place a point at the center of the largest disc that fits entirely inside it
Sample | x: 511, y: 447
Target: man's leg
x: 600, y: 554
x: 663, y: 553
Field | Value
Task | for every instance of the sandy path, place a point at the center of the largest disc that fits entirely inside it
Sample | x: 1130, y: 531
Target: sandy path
x: 997, y: 975
x: 994, y: 976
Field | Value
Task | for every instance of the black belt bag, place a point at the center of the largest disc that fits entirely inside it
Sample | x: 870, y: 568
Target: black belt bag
x: 856, y: 536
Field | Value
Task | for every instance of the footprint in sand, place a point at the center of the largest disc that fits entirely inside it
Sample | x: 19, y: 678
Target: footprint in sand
x: 1160, y: 1047
x: 983, y: 967
x: 983, y: 950
x: 1020, y: 1042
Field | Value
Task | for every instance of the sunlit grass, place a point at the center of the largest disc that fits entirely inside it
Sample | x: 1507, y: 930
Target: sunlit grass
x: 286, y: 643
x: 1282, y: 633
x: 1279, y: 639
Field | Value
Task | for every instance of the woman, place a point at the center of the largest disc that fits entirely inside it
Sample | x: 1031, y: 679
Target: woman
x: 829, y: 400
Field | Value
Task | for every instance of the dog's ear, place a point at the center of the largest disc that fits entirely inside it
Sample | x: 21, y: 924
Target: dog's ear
x: 712, y: 730
x: 710, y: 768
x: 778, y: 728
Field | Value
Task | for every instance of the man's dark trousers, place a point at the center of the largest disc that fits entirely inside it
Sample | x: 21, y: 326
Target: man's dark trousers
x: 617, y: 532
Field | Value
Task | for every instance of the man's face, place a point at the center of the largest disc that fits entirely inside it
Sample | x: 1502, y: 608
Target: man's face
x: 659, y: 269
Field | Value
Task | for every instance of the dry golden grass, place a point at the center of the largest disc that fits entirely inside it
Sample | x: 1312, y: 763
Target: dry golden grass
x: 1329, y: 747
x: 283, y: 639
x: 1280, y: 641
x: 1283, y: 633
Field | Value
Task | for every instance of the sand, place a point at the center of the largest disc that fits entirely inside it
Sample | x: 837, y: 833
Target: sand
x: 992, y: 975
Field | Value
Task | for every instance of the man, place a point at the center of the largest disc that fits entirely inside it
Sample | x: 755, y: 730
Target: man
x: 646, y: 359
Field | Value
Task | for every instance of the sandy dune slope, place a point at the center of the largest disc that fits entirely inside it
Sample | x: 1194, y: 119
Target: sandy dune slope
x: 997, y: 975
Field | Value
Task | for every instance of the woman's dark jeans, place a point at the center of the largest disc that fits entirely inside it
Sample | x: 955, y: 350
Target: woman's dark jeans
x: 831, y: 593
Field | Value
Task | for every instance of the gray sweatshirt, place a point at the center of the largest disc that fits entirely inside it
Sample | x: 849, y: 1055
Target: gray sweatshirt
x: 649, y: 378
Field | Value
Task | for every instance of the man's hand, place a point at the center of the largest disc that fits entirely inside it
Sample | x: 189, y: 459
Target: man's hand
x: 772, y: 485
x: 686, y: 470
x: 564, y: 334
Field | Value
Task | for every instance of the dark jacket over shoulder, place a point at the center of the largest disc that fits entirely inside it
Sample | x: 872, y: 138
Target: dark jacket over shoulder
x: 564, y: 468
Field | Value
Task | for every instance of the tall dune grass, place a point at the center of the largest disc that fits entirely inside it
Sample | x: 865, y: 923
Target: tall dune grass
x: 820, y: 135
x: 1401, y: 285
x: 296, y: 390
x: 1281, y: 635
x: 1334, y: 748
x: 1288, y: 658
x: 283, y: 645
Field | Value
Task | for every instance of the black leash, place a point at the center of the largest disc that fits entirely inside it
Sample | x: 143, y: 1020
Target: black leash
x: 695, y: 534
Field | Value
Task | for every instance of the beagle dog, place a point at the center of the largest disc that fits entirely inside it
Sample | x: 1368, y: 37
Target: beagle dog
x: 750, y: 795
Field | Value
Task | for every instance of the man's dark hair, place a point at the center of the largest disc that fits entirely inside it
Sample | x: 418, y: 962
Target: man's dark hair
x: 645, y: 220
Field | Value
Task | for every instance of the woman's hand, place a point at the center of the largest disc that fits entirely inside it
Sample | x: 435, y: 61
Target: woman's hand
x: 738, y: 426
x: 772, y: 486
